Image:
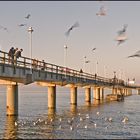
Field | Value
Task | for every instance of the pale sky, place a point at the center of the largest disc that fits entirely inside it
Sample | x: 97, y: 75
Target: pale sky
x: 51, y: 19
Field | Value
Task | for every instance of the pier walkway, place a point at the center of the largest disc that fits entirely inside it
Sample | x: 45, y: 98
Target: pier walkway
x: 26, y: 71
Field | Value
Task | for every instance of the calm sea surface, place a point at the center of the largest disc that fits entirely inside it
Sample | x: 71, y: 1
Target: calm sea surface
x: 86, y: 121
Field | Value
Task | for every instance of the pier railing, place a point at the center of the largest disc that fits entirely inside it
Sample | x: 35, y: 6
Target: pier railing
x: 36, y: 64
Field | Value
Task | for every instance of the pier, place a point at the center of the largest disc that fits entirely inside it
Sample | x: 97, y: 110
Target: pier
x: 26, y: 71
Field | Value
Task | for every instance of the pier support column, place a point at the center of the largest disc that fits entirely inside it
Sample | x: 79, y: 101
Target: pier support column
x: 73, y: 95
x: 87, y: 94
x: 121, y: 91
x: 96, y: 92
x: 138, y: 92
x: 12, y: 100
x: 114, y: 91
x: 51, y: 97
x: 126, y: 92
x: 101, y: 93
x: 129, y: 92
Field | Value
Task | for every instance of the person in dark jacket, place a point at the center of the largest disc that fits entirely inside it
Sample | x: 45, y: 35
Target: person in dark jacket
x: 11, y: 55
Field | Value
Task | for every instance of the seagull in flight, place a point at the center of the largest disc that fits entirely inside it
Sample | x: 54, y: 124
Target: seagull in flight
x: 21, y: 25
x: 123, y: 30
x: 137, y: 54
x: 121, y: 37
x: 93, y: 49
x: 27, y: 17
x: 76, y: 24
x: 4, y: 28
x: 87, y: 61
x: 102, y: 11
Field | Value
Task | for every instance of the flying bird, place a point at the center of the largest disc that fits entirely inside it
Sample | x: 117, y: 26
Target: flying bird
x: 76, y: 24
x: 102, y: 11
x: 93, y: 49
x: 21, y: 25
x: 27, y: 17
x: 123, y: 30
x: 4, y: 28
x: 87, y: 61
x: 121, y: 38
x: 137, y: 54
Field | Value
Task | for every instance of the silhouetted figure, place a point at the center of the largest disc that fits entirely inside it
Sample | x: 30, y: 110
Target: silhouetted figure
x: 11, y: 55
x: 17, y: 55
x: 81, y: 71
x: 43, y: 65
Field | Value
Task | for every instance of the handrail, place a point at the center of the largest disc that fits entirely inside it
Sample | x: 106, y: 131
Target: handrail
x: 42, y: 65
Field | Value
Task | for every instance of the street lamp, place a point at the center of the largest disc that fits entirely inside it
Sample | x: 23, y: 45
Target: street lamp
x: 93, y: 50
x: 114, y: 74
x: 65, y: 59
x: 96, y: 67
x: 85, y: 63
x: 30, y: 30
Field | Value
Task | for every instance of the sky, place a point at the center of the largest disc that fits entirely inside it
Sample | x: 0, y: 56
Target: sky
x: 51, y: 19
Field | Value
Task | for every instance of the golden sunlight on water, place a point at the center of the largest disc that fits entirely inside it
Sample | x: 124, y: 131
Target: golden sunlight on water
x: 98, y: 119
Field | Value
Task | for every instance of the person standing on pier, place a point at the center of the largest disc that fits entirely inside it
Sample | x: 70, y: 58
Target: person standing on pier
x: 11, y: 55
x: 43, y: 65
x: 17, y: 54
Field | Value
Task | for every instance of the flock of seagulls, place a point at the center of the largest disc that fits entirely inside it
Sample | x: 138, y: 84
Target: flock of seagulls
x: 74, y: 123
x: 20, y: 25
x: 121, y: 38
x: 24, y: 24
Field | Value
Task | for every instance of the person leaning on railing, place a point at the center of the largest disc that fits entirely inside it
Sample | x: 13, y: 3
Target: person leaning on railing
x: 43, y: 65
x: 17, y: 55
x: 34, y: 63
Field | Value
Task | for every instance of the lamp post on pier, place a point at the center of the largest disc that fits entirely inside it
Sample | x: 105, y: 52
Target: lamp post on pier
x: 30, y: 30
x: 65, y: 59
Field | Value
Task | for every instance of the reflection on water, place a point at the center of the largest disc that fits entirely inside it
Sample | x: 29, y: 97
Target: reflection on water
x: 73, y: 109
x: 11, y: 128
x: 88, y: 120
x: 51, y: 113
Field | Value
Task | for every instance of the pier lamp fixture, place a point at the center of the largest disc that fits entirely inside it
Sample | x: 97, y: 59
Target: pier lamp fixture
x: 114, y: 74
x: 96, y: 67
x: 65, y: 59
x: 30, y: 30
x: 114, y: 81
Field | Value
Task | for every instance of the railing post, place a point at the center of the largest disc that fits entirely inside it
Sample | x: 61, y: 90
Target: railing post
x: 138, y: 92
x: 24, y: 62
x: 4, y: 58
